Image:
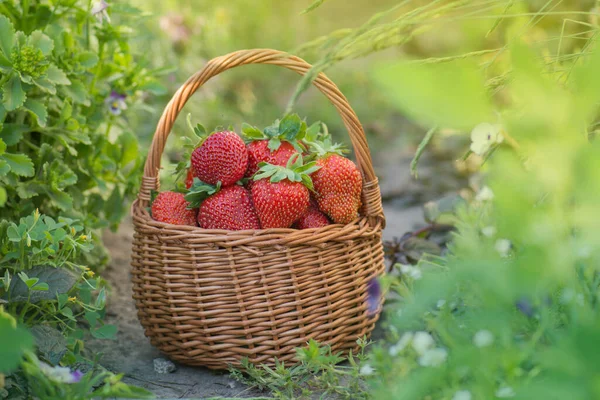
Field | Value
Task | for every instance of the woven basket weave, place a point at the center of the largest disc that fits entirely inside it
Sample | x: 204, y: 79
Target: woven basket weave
x: 212, y: 297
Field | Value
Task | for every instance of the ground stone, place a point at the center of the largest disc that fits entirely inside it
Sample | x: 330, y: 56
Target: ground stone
x: 162, y: 366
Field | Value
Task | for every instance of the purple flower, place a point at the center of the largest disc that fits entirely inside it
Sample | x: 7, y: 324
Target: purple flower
x: 60, y: 374
x: 76, y: 376
x: 525, y: 306
x: 116, y: 103
x: 373, y: 296
x: 99, y: 11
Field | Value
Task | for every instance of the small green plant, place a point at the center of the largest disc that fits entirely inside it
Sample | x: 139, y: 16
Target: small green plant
x: 317, y: 374
x: 67, y: 80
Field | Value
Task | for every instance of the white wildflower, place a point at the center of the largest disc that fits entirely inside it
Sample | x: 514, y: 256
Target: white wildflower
x: 503, y: 247
x: 422, y: 341
x: 401, y: 344
x: 489, y: 231
x: 505, y: 392
x: 462, y: 395
x: 485, y: 194
x: 59, y: 374
x: 433, y: 357
x: 99, y: 11
x: 483, y: 136
x: 411, y: 271
x: 366, y: 370
x: 483, y: 338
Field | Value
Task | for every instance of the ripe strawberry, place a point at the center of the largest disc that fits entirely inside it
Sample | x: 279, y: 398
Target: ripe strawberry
x: 275, y: 144
x: 172, y: 208
x: 338, y: 183
x: 189, y: 179
x: 312, y: 218
x: 230, y: 208
x: 222, y: 157
x: 258, y: 151
x: 280, y: 194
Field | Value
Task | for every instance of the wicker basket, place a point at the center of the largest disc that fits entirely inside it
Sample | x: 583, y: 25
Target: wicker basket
x: 212, y: 297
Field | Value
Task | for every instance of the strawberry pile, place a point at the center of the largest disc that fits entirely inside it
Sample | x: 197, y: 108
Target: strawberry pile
x: 287, y: 175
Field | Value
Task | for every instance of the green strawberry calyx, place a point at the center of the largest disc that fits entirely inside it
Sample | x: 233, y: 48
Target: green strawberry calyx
x: 325, y: 146
x: 295, y: 171
x: 290, y: 128
x: 199, y: 191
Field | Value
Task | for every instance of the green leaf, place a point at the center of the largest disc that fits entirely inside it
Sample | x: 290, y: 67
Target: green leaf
x: 39, y: 40
x: 19, y: 164
x: 586, y: 83
x: 14, y: 342
x: 13, y: 95
x: 2, y: 146
x: 252, y: 132
x: 101, y: 299
x: 274, y: 144
x: 290, y: 126
x: 153, y: 87
x: 61, y: 199
x: 105, y: 332
x: 199, y: 192
x: 29, y: 189
x: 129, y: 148
x: 78, y: 92
x: 313, y: 6
x: 5, y: 64
x: 7, y: 35
x: 11, y: 134
x: 42, y: 286
x: 59, y: 281
x: 2, y: 196
x: 87, y: 59
x: 45, y: 85
x: 57, y: 76
x: 38, y: 110
x: 450, y: 95
x: 92, y: 318
x: 50, y: 343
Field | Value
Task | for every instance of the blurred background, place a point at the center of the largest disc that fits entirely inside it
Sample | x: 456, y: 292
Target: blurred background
x: 178, y: 37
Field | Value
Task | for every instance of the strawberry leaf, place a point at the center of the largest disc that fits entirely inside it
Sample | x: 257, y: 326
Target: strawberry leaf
x: 274, y: 144
x: 199, y: 192
x: 251, y: 132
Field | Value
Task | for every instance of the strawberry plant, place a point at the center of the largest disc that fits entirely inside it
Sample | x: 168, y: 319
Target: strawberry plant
x: 67, y: 81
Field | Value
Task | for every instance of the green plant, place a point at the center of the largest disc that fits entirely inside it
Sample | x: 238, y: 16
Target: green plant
x: 512, y: 311
x: 47, y: 290
x: 318, y: 374
x: 68, y: 79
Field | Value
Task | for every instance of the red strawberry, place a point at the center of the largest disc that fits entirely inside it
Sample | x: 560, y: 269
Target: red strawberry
x: 171, y: 208
x: 222, y: 157
x: 230, y: 208
x: 313, y: 218
x: 338, y: 183
x: 258, y: 151
x: 280, y: 194
x: 189, y: 179
x: 275, y: 144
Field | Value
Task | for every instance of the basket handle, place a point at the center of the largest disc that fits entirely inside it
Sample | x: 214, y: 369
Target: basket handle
x: 371, y: 195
